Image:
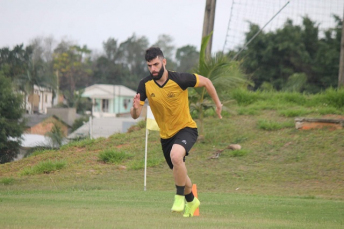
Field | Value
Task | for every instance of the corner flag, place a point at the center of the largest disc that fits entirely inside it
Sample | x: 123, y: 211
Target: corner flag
x: 150, y: 125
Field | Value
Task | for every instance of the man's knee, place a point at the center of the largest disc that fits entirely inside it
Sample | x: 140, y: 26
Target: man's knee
x: 177, y: 155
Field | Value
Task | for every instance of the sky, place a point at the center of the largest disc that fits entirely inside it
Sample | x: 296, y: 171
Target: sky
x: 91, y: 22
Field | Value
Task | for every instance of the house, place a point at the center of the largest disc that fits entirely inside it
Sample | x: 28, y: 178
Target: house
x: 39, y: 100
x: 30, y: 141
x: 37, y: 126
x: 41, y: 124
x: 110, y: 100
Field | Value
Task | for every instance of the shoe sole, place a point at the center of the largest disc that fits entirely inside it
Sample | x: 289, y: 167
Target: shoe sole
x: 186, y: 216
x: 177, y: 210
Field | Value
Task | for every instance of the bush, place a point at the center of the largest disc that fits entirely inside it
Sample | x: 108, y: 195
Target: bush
x: 270, y: 125
x: 79, y: 122
x: 44, y: 167
x: 333, y: 97
x: 238, y: 153
x: 245, y: 97
x: 7, y: 180
x: 113, y: 156
x: 37, y: 150
x: 294, y: 112
x: 291, y: 97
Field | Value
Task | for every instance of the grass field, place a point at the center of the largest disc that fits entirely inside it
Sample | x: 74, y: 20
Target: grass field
x: 150, y: 209
x: 281, y: 178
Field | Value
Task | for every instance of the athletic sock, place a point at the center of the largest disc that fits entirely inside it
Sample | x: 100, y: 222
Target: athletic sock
x: 189, y: 197
x: 180, y: 190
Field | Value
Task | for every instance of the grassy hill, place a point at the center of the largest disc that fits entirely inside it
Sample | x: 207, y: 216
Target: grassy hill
x: 275, y: 159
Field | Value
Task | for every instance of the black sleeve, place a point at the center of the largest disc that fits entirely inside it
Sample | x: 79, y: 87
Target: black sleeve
x: 186, y: 80
x: 142, y: 90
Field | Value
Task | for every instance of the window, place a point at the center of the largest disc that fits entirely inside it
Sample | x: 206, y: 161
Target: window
x: 105, y: 105
x: 126, y: 103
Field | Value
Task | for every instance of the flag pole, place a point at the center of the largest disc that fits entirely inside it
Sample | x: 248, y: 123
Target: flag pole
x: 145, y: 173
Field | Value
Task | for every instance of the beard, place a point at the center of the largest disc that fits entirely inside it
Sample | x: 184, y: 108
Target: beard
x: 160, y: 73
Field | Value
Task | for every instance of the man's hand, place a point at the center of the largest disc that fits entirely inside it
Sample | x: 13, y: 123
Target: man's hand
x: 218, y: 111
x: 205, y: 82
x: 136, y: 102
x: 135, y: 111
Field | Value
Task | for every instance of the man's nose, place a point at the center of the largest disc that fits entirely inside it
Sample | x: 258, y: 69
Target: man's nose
x: 154, y: 68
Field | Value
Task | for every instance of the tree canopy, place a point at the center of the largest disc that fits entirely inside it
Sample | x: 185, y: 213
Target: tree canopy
x: 292, y: 52
x: 11, y: 122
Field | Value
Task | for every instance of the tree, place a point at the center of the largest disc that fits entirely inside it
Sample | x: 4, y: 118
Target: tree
x: 274, y: 57
x: 108, y: 68
x: 327, y: 56
x: 11, y: 123
x: 56, y: 136
x: 132, y: 52
x: 224, y: 74
x: 42, y: 59
x: 74, y: 67
x: 187, y: 58
x: 76, y: 100
x: 111, y: 50
x: 18, y: 64
x: 165, y: 43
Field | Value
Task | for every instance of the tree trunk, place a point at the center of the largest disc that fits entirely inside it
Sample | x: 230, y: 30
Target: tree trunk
x: 341, y: 59
x: 208, y: 23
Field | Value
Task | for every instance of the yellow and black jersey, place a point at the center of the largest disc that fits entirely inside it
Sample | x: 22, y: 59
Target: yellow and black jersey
x: 169, y: 102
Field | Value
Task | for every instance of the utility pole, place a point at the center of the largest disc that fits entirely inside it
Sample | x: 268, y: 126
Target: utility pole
x: 341, y: 58
x: 208, y: 23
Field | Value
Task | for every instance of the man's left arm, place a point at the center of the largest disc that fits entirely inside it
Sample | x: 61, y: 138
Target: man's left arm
x: 205, y: 82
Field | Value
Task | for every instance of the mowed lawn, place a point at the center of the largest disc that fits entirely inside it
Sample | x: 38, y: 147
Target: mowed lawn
x: 151, y: 209
x: 281, y: 178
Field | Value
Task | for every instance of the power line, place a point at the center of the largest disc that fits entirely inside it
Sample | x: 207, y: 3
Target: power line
x: 247, y: 43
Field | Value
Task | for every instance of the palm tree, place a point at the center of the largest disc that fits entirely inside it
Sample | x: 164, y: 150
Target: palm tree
x: 56, y: 136
x: 224, y: 74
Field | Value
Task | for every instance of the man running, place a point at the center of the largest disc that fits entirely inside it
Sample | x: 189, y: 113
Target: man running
x: 167, y: 94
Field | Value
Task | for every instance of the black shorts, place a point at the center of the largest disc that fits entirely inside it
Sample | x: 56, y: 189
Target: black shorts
x: 185, y: 137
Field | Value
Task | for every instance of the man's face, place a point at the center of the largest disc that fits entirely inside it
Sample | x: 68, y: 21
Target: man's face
x: 156, y: 68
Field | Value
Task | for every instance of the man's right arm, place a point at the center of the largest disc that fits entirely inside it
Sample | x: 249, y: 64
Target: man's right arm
x: 135, y: 111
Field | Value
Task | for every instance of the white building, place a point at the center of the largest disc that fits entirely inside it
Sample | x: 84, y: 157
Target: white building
x: 40, y: 99
x: 110, y: 100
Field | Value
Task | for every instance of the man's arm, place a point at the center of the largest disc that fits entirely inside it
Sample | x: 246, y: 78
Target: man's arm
x: 135, y: 111
x: 205, y: 82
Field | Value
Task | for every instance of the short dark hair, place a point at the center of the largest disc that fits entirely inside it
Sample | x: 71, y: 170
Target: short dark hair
x: 153, y: 52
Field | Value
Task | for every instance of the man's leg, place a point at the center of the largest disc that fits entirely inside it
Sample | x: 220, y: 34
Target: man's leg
x: 179, y: 168
x: 180, y: 176
x: 188, y: 185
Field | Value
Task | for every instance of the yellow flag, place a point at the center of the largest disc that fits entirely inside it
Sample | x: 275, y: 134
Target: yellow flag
x: 151, y: 123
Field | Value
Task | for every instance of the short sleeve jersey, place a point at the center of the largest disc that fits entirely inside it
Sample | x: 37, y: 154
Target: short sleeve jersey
x: 169, y: 103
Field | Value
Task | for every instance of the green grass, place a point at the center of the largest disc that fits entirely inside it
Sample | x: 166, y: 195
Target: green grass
x: 238, y: 153
x: 281, y: 178
x: 271, y: 125
x: 7, y: 180
x: 44, y: 167
x: 113, y: 156
x: 151, y: 209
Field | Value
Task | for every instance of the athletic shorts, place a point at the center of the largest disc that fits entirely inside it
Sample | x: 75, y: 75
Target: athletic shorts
x: 185, y: 137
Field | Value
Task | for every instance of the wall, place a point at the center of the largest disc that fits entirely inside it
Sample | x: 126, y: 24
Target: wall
x: 46, y: 126
x: 68, y: 115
